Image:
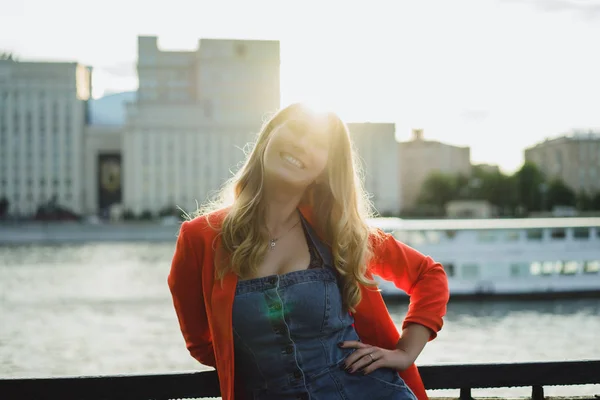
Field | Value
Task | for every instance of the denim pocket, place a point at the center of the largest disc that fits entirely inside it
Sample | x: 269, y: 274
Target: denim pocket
x: 389, y: 377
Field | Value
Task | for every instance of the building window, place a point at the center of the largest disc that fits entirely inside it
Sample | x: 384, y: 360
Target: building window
x: 591, y: 267
x: 581, y: 233
x: 451, y: 234
x: 570, y: 268
x: 486, y: 236
x: 535, y: 268
x: 551, y: 267
x: 449, y: 268
x: 535, y: 234
x: 470, y: 271
x: 559, y: 161
x: 519, y: 269
x: 511, y: 236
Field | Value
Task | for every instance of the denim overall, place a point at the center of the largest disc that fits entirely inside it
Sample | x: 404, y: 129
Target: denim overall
x: 286, y: 329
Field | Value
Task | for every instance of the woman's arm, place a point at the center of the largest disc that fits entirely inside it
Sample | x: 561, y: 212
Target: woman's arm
x: 185, y: 284
x: 423, y: 279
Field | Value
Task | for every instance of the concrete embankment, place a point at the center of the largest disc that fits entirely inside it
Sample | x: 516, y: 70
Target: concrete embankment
x: 69, y: 232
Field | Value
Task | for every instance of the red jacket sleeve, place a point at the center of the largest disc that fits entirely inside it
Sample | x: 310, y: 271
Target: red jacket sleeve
x: 423, y: 279
x: 185, y: 284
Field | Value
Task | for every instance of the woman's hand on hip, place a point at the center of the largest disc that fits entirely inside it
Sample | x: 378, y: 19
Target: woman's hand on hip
x: 368, y: 358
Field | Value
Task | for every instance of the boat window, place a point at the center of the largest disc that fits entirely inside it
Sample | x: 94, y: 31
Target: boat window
x: 511, y: 236
x: 535, y: 268
x: 401, y: 236
x: 433, y: 237
x: 470, y: 271
x: 570, y: 268
x: 535, y: 234
x: 581, y: 233
x: 486, y: 236
x: 598, y: 231
x: 591, y: 267
x: 551, y: 267
x: 416, y: 238
x: 449, y: 268
x: 558, y: 233
x: 519, y: 269
x: 450, y: 234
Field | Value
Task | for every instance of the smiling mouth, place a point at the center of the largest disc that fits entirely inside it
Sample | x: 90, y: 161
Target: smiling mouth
x: 292, y: 160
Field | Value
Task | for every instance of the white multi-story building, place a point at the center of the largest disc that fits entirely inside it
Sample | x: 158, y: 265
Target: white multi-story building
x: 574, y: 158
x: 377, y: 148
x: 194, y: 112
x: 42, y: 118
x: 183, y: 133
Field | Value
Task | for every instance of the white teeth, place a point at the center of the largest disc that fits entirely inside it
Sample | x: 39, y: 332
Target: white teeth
x: 293, y: 160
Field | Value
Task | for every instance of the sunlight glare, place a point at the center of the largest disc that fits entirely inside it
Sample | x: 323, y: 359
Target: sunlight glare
x: 316, y: 105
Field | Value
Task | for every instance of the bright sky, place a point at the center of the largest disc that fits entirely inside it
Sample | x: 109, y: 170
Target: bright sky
x: 497, y: 75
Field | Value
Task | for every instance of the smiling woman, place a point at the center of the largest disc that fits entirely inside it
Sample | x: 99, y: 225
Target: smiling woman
x: 297, y: 151
x: 302, y: 319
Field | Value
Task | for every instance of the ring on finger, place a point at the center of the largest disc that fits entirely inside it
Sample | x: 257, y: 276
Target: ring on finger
x: 372, y: 359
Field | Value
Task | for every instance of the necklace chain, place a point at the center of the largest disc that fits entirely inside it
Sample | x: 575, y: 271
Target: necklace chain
x: 273, y: 241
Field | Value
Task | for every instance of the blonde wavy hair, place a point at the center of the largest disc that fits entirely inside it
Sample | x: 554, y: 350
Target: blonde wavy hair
x: 339, y: 206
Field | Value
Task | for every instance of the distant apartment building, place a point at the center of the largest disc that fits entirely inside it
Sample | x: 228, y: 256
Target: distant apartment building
x: 574, y: 158
x: 42, y: 119
x: 194, y: 112
x: 488, y: 168
x: 418, y: 158
x: 376, y: 146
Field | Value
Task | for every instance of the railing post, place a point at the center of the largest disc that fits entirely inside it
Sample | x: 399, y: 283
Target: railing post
x: 537, y: 393
x: 465, y: 394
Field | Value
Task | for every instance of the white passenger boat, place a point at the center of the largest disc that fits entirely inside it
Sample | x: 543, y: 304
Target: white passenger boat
x: 529, y: 256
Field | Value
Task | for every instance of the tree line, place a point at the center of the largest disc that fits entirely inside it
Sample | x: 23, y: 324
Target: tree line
x: 527, y: 190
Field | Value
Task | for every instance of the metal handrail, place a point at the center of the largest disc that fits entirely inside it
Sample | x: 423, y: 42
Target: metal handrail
x: 205, y: 384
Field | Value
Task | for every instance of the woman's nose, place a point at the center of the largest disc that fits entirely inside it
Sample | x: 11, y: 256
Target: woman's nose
x: 303, y: 141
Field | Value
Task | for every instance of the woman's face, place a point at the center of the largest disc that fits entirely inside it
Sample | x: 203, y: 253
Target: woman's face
x: 297, y: 151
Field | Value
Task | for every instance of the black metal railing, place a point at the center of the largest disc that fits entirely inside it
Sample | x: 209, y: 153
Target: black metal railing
x: 205, y: 384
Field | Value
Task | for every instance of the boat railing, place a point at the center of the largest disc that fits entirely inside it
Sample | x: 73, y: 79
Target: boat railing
x: 192, y: 385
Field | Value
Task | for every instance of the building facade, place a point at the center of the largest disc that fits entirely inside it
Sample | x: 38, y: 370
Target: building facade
x: 103, y: 185
x: 419, y: 158
x: 183, y: 137
x: 376, y: 147
x: 42, y: 119
x: 173, y: 142
x: 574, y: 158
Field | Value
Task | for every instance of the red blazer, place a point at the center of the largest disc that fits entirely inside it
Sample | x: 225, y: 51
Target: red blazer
x: 204, y: 305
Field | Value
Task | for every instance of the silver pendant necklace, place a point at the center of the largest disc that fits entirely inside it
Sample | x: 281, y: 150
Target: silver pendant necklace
x: 273, y: 241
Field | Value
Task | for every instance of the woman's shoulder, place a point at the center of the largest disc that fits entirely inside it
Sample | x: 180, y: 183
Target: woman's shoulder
x: 207, y: 223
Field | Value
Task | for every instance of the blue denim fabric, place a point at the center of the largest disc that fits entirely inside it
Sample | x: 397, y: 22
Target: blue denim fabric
x: 286, y: 330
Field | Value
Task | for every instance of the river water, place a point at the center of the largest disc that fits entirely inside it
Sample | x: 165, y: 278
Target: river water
x: 104, y: 308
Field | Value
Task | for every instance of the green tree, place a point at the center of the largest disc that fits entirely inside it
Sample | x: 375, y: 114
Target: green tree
x: 584, y: 201
x: 7, y: 56
x: 596, y: 202
x: 494, y: 187
x: 4, y: 204
x: 530, y: 187
x: 437, y: 190
x: 559, y: 194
